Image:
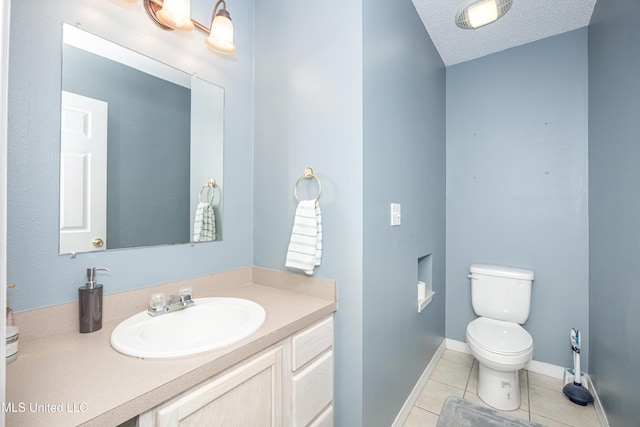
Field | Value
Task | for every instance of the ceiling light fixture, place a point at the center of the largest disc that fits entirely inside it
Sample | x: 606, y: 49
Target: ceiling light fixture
x: 480, y: 13
x: 175, y: 15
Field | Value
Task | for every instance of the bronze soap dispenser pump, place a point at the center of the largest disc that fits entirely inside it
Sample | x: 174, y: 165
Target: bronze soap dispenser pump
x: 90, y: 302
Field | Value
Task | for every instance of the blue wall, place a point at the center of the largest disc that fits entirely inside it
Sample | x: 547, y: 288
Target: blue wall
x: 308, y: 112
x: 614, y: 202
x: 45, y: 278
x: 363, y: 105
x: 404, y: 162
x: 517, y: 183
x: 312, y: 93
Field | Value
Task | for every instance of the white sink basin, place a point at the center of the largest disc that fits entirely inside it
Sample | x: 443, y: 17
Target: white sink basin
x: 212, y: 323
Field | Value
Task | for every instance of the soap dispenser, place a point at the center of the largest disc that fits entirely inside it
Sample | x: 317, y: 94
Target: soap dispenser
x: 90, y: 302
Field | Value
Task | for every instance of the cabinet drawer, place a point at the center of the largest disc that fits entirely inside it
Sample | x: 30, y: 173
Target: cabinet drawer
x: 311, y: 342
x: 312, y: 389
x: 325, y: 419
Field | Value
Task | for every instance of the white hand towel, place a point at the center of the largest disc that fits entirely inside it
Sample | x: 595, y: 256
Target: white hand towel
x: 204, y: 225
x: 305, y: 247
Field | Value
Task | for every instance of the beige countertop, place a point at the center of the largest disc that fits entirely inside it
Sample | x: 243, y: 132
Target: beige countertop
x: 64, y: 378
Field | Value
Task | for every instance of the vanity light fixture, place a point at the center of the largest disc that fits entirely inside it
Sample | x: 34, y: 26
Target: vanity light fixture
x: 175, y: 15
x: 221, y: 34
x: 480, y: 13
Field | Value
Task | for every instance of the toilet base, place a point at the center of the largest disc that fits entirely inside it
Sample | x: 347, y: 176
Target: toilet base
x: 499, y: 389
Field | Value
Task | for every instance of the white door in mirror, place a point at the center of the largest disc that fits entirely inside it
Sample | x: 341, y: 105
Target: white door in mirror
x: 83, y: 174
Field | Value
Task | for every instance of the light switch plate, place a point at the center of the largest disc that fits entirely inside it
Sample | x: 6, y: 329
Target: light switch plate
x: 396, y: 214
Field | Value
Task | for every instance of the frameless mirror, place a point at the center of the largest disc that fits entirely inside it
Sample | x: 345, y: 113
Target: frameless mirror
x: 141, y: 150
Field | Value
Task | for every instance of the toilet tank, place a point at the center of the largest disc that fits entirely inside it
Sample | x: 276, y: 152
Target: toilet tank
x: 501, y: 293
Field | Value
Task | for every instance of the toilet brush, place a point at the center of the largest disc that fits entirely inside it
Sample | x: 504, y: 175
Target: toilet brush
x: 574, y: 390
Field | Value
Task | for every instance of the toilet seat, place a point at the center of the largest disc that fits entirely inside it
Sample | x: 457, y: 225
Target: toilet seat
x: 500, y: 337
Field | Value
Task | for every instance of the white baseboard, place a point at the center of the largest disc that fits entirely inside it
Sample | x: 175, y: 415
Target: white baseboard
x: 411, y: 400
x: 547, y: 369
x: 597, y: 404
x: 533, y: 366
x: 458, y: 346
x: 462, y: 347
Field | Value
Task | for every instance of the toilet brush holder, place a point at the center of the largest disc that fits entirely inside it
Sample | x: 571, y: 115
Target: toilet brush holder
x: 574, y: 390
x: 569, y: 377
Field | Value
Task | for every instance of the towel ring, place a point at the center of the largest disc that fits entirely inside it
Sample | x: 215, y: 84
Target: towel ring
x: 210, y: 184
x: 307, y: 174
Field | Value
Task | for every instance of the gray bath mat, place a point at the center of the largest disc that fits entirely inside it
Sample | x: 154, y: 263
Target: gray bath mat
x: 458, y: 412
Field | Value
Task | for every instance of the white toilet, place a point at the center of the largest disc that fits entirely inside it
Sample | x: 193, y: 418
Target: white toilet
x: 502, y: 297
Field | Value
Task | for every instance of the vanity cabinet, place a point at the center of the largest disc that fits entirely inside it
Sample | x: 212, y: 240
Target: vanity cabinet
x: 289, y: 384
x: 249, y: 394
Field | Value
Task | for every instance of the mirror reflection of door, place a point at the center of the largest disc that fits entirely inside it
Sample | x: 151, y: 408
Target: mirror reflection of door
x: 83, y: 172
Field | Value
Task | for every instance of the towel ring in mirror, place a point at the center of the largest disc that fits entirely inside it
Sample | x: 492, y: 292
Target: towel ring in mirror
x: 210, y: 184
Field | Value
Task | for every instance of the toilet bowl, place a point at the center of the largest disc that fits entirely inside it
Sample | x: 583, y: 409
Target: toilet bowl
x: 501, y: 296
x: 502, y: 349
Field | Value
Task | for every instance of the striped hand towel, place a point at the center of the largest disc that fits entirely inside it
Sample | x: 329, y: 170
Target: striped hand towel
x: 305, y: 247
x: 204, y: 225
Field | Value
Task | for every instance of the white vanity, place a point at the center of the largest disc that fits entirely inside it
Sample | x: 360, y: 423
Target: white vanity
x: 281, y: 375
x: 289, y: 384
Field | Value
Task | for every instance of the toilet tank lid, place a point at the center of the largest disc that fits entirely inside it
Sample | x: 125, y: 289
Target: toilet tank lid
x: 500, y: 271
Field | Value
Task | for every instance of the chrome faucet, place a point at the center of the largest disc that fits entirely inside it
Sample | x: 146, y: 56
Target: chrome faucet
x: 158, y: 304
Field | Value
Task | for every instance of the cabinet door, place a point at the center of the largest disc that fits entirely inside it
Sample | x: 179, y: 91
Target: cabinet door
x: 245, y: 396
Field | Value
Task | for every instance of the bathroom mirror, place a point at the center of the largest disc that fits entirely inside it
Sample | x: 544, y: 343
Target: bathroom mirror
x: 141, y: 148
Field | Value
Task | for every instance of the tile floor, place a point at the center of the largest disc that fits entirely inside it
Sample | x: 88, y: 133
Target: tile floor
x: 542, y: 400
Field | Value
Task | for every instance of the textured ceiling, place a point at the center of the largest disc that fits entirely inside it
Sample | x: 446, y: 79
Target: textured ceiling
x: 526, y: 21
